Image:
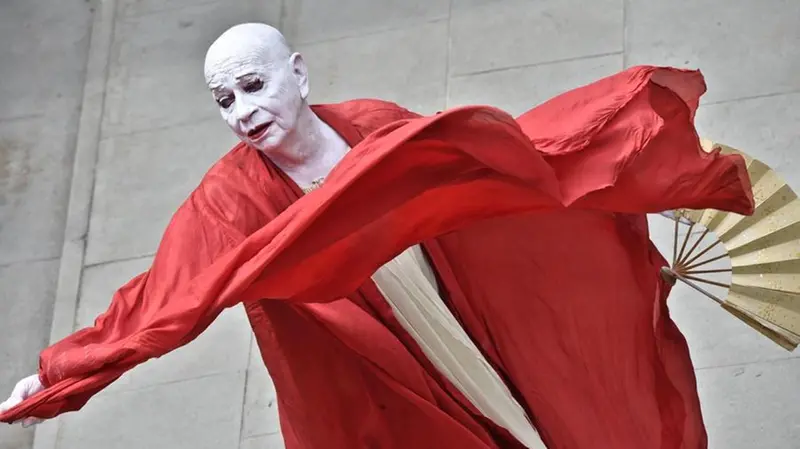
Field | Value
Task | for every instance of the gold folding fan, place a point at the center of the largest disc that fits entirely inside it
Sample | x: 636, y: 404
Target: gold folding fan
x: 748, y: 264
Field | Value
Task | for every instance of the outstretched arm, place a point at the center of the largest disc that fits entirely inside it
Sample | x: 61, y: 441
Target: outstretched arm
x: 200, y: 231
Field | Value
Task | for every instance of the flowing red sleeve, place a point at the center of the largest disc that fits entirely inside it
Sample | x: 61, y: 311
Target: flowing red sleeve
x: 203, y: 228
x: 419, y: 178
x: 636, y: 135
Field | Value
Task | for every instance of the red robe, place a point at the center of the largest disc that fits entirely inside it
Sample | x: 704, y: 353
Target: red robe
x: 527, y: 225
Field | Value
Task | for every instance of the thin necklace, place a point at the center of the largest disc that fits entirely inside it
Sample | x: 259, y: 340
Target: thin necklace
x: 315, y: 184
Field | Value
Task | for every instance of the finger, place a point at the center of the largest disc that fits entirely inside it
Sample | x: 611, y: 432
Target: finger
x: 30, y: 422
x: 19, y: 389
x: 9, y: 404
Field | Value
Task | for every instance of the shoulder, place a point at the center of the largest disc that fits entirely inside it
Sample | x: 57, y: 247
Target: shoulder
x: 370, y: 107
x: 369, y: 114
x: 240, y: 158
x: 236, y: 189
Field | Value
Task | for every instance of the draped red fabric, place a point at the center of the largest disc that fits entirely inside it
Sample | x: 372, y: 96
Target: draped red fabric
x: 527, y: 223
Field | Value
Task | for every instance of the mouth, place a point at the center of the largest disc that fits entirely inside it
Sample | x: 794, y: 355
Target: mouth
x: 259, y: 131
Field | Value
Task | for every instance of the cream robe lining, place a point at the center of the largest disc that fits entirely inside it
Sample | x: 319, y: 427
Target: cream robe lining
x: 409, y: 286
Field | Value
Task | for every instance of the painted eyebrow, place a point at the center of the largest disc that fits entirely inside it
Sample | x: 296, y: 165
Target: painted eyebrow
x: 245, y: 75
x: 217, y: 90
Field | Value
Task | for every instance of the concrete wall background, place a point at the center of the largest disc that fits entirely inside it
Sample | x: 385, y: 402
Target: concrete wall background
x: 148, y: 130
x: 43, y: 51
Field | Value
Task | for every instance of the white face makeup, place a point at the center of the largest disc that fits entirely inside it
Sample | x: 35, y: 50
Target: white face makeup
x: 259, y: 85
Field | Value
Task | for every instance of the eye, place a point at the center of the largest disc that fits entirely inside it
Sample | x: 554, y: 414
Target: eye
x: 225, y: 101
x: 253, y: 86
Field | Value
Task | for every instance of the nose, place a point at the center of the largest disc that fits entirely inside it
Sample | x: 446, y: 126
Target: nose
x: 244, y: 109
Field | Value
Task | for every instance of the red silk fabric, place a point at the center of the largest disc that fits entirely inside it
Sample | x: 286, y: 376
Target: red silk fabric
x: 535, y: 229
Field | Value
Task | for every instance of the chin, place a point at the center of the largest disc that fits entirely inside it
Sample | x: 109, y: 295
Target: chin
x: 269, y: 144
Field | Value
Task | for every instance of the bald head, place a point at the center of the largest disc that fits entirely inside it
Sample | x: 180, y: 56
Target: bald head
x: 259, y: 85
x: 247, y: 44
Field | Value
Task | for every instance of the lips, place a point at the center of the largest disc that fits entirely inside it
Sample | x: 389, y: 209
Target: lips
x: 259, y: 131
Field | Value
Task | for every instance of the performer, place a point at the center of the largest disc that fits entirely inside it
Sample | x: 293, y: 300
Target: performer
x: 521, y: 304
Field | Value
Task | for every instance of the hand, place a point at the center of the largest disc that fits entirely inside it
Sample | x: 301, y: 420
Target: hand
x: 24, y: 389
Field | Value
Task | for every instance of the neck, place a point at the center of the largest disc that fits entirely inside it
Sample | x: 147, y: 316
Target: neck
x: 302, y: 144
x: 310, y: 151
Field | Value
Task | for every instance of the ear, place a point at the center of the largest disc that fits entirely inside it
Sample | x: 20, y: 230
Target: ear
x: 300, y: 72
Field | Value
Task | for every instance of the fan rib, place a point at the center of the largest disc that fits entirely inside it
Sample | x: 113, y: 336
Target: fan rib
x: 718, y: 270
x: 701, y: 253
x: 694, y: 246
x: 685, y: 241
